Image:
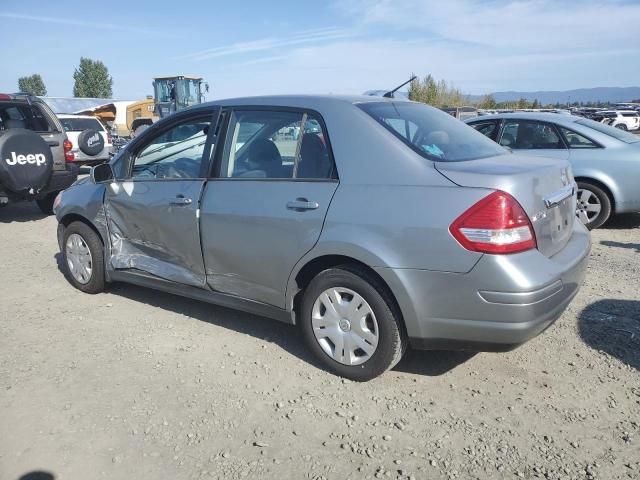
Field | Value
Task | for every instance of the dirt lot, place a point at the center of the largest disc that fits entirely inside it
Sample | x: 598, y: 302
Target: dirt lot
x: 134, y: 384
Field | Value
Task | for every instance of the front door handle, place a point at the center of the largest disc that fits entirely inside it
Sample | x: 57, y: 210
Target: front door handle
x: 181, y: 200
x: 300, y: 204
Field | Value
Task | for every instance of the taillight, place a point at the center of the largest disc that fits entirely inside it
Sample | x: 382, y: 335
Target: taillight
x: 109, y: 138
x: 68, y: 154
x: 496, y: 224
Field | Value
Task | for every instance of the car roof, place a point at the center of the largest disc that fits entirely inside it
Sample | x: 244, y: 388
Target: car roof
x: 540, y: 116
x: 300, y: 100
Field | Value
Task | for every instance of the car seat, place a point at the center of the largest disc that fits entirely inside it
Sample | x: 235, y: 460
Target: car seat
x: 314, y: 158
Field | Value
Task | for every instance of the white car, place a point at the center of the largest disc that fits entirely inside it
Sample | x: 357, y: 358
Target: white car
x: 90, y: 139
x: 622, y: 119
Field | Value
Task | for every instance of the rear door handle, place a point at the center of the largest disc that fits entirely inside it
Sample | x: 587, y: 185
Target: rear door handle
x: 301, y: 204
x: 181, y: 200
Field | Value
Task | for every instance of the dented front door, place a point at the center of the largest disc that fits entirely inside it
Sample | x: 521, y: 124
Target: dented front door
x: 154, y: 228
x: 153, y: 212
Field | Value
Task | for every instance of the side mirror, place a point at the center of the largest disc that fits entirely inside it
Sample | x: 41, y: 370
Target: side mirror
x: 101, y: 173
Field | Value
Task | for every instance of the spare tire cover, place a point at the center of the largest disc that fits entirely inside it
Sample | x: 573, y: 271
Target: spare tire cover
x: 26, y: 161
x: 90, y: 142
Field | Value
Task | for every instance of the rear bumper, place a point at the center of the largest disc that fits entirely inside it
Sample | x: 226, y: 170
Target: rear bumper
x: 501, y: 303
x: 61, y: 179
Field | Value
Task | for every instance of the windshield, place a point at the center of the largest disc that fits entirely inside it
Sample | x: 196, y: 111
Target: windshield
x: 80, y: 124
x: 188, y: 92
x: 617, y: 133
x: 432, y: 133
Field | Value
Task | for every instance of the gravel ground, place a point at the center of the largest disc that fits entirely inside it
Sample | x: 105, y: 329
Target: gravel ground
x: 135, y: 384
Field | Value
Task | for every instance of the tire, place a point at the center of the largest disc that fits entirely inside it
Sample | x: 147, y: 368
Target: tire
x: 622, y: 126
x: 90, y: 142
x: 590, y: 194
x: 94, y: 281
x: 45, y: 204
x: 353, y: 283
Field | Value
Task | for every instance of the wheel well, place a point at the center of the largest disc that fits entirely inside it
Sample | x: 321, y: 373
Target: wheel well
x: 317, y: 265
x: 73, y: 217
x: 602, y: 186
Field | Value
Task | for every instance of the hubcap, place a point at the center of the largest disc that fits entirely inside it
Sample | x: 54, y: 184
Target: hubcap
x: 345, y: 326
x: 588, y: 206
x: 79, y: 259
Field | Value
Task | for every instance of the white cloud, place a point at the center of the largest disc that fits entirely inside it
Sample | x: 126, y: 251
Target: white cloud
x: 266, y: 44
x: 530, y: 24
x: 78, y: 23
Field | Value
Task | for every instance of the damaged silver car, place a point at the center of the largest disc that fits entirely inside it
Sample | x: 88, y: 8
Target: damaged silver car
x: 373, y: 224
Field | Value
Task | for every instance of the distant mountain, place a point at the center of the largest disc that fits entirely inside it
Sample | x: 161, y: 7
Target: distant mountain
x: 598, y: 94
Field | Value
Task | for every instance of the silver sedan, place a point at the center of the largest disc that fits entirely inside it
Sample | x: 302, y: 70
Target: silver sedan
x: 605, y: 160
x: 371, y: 224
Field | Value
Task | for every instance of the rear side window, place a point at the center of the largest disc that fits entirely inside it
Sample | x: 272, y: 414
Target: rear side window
x: 575, y: 140
x: 26, y: 116
x: 530, y: 135
x: 275, y: 144
x: 432, y: 133
x: 80, y: 124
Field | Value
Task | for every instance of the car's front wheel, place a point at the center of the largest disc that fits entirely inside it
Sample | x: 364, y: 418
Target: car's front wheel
x: 351, y: 323
x: 82, y: 254
x: 593, y: 206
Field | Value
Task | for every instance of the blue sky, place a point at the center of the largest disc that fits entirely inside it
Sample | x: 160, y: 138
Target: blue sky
x: 246, y: 47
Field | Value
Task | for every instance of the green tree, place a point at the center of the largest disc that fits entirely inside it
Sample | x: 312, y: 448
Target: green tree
x: 488, y: 102
x: 535, y: 103
x: 523, y: 103
x: 436, y: 93
x: 92, y: 79
x: 32, y: 84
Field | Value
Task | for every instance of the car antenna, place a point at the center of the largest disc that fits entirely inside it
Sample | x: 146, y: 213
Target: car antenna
x: 390, y: 93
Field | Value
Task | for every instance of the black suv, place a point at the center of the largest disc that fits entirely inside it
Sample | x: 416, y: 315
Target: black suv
x: 35, y: 153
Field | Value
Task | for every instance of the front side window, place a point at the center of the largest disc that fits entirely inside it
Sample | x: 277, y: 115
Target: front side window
x: 575, y: 140
x: 275, y: 144
x: 488, y: 129
x: 174, y: 153
x: 530, y: 135
x: 432, y: 133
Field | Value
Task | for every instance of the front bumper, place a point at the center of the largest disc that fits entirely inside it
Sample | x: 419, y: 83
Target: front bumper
x: 501, y: 303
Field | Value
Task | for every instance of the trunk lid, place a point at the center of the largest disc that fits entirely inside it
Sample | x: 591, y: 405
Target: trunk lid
x: 544, y: 187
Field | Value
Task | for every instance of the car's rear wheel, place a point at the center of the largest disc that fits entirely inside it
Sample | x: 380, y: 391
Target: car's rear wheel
x: 593, y: 207
x: 351, y: 323
x: 82, y: 252
x: 622, y: 126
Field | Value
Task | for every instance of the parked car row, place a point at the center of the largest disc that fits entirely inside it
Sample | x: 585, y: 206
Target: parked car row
x: 625, y: 119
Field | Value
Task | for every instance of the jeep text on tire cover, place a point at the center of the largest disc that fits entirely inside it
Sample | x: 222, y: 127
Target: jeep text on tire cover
x: 38, y: 159
x: 26, y: 161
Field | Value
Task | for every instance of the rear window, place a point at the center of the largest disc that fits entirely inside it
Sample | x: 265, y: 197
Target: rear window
x: 432, y: 133
x: 617, y: 133
x: 80, y: 124
x: 31, y: 117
